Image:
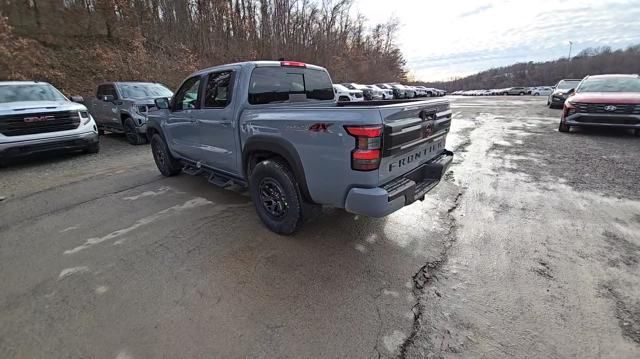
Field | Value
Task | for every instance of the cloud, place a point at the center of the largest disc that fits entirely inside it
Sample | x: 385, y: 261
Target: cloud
x: 468, y: 36
x: 477, y: 10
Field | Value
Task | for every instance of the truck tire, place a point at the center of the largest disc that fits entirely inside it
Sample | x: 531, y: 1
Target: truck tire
x: 167, y: 164
x: 93, y: 148
x: 564, y: 128
x: 276, y: 196
x: 130, y: 131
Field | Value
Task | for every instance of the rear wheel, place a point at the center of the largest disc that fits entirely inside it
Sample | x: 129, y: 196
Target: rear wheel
x: 521, y: 93
x: 564, y: 127
x: 131, y: 132
x: 166, y: 163
x: 276, y: 196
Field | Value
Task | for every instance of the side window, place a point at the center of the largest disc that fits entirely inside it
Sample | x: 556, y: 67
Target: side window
x: 187, y: 96
x: 111, y: 90
x: 101, y: 91
x: 218, y: 90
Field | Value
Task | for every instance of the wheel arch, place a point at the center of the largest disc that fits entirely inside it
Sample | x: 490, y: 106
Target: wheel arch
x: 153, y: 128
x: 259, y: 148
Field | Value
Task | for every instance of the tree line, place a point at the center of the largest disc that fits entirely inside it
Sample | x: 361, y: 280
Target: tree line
x: 78, y: 43
x: 591, y: 61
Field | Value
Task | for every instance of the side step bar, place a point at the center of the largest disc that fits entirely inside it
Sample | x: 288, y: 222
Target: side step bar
x: 214, y: 177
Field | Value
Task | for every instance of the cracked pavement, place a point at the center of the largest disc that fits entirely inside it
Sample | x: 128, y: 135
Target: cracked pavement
x: 528, y: 248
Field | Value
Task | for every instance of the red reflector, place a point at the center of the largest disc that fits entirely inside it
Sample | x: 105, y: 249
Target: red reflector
x: 293, y: 63
x: 367, y: 131
x: 366, y: 154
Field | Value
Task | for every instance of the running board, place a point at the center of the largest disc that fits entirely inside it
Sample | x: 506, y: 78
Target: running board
x: 214, y: 177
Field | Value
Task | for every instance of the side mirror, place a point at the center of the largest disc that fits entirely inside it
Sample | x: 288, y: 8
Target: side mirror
x: 77, y: 99
x: 162, y: 103
x: 108, y: 98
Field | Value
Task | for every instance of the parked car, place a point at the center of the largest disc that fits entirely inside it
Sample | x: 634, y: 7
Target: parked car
x: 542, y: 91
x: 276, y: 128
x: 387, y: 93
x: 123, y: 107
x: 431, y: 92
x: 519, y: 91
x: 561, y: 92
x: 603, y: 100
x: 369, y: 94
x: 345, y: 94
x: 35, y: 117
x: 408, y: 91
x: 397, y: 93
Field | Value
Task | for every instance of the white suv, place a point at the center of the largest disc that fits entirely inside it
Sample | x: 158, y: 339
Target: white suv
x: 35, y: 117
x: 345, y: 95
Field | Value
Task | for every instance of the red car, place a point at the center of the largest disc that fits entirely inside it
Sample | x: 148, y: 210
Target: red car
x: 606, y: 101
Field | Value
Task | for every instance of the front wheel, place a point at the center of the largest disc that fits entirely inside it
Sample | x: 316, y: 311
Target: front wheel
x: 93, y: 148
x: 276, y: 196
x: 166, y: 163
x: 521, y: 93
x: 564, y: 127
x: 131, y: 132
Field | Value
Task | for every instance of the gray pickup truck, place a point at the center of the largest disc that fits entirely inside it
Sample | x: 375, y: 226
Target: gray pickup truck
x: 276, y: 127
x: 123, y: 106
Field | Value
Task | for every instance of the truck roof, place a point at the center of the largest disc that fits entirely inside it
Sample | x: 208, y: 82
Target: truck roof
x: 128, y: 82
x: 14, y: 83
x: 257, y: 63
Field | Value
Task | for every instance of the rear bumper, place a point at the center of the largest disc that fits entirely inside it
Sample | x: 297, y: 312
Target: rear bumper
x: 603, y: 120
x: 73, y: 142
x: 402, y: 191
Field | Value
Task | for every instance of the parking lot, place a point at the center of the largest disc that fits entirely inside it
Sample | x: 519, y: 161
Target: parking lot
x: 529, y: 249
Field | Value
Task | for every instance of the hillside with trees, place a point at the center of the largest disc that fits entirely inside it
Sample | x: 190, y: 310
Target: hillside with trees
x: 76, y: 44
x: 591, y: 61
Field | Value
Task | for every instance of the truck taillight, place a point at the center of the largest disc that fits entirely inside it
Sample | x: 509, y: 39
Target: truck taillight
x: 366, y: 155
x: 293, y: 64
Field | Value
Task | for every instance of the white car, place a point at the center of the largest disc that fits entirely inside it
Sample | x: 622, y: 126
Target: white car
x: 542, y: 91
x: 37, y: 118
x: 385, y: 94
x: 345, y: 95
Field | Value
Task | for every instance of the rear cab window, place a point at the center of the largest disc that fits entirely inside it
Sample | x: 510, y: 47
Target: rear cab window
x: 282, y: 84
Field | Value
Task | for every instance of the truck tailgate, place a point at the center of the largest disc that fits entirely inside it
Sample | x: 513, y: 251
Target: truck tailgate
x: 414, y: 133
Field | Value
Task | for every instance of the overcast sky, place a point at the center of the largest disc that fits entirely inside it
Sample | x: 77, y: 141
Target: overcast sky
x: 441, y: 39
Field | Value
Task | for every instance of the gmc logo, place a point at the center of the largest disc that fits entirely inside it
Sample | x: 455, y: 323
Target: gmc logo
x: 38, y: 119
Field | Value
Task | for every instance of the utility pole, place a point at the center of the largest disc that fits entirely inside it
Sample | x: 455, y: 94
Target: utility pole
x: 570, y: 46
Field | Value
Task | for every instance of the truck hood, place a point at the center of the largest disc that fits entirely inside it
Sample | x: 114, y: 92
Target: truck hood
x: 607, y: 97
x: 12, y: 108
x: 142, y: 101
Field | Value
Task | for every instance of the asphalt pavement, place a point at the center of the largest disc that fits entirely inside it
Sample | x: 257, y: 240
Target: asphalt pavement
x: 528, y: 249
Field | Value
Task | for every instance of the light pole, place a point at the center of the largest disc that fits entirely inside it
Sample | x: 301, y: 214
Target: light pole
x: 570, y: 46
